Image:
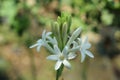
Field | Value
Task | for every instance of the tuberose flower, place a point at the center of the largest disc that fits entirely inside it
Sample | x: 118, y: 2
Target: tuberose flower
x: 46, y: 38
x: 84, y: 46
x: 73, y: 45
x: 62, y: 57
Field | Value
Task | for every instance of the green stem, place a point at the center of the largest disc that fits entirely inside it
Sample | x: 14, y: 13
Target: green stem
x: 59, y: 72
x: 84, y: 70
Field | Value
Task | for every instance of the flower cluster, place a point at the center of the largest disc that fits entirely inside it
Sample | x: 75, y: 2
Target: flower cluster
x: 73, y: 45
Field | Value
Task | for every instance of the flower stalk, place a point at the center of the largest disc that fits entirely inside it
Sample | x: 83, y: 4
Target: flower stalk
x: 63, y: 46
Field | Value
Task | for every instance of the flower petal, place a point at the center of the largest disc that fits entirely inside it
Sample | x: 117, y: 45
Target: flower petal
x: 52, y: 40
x: 43, y: 34
x: 55, y: 41
x: 65, y: 51
x: 52, y: 57
x: 58, y: 64
x: 57, y: 50
x: 85, y: 43
x: 38, y: 47
x: 39, y: 41
x: 33, y: 45
x: 47, y: 46
x: 71, y: 55
x: 82, y: 55
x: 74, y: 49
x: 67, y: 64
x: 74, y: 36
x: 89, y: 54
x: 48, y: 34
x: 75, y: 44
x: 79, y: 41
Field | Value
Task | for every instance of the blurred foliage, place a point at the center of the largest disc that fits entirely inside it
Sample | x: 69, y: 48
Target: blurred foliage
x: 87, y: 13
x: 3, y: 64
x: 95, y: 12
x: 27, y: 18
x: 8, y: 10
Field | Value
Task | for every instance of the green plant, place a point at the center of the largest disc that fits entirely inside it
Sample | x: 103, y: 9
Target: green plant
x: 61, y: 45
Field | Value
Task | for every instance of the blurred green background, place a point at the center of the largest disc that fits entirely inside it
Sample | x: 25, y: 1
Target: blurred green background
x: 22, y: 22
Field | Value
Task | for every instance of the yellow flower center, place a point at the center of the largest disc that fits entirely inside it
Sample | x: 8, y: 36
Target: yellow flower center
x: 61, y: 57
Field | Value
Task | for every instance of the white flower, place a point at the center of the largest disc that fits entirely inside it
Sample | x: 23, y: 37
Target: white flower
x: 62, y: 57
x: 69, y: 50
x: 44, y: 41
x: 84, y: 46
x: 38, y: 44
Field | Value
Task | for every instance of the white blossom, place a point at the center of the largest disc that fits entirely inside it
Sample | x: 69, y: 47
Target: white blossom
x: 73, y: 45
x: 84, y: 46
x: 44, y: 41
x: 62, y: 57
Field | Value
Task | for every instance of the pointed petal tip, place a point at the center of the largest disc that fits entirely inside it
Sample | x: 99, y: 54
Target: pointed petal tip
x: 92, y: 56
x: 78, y: 30
x: 57, y: 65
x: 52, y: 57
x: 32, y: 46
x: 67, y: 64
x: 71, y: 56
x: 89, y: 54
x: 56, y: 69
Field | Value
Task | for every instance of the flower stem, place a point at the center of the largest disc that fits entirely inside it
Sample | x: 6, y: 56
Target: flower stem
x: 59, y: 72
